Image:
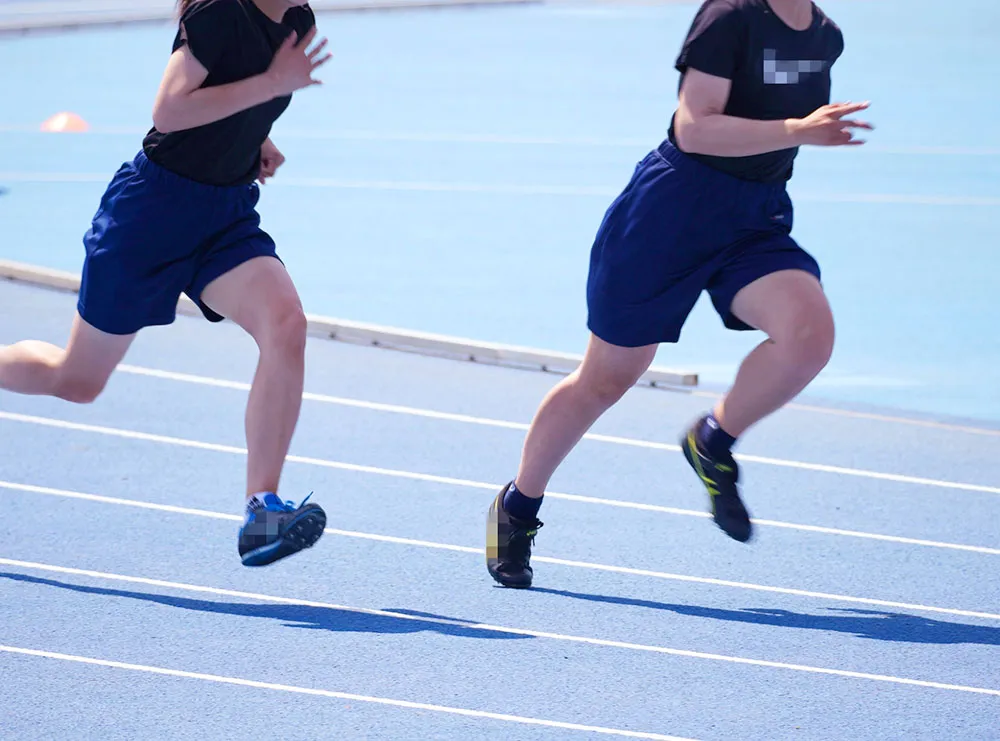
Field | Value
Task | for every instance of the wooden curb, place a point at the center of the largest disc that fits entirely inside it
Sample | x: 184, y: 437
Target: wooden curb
x: 373, y: 335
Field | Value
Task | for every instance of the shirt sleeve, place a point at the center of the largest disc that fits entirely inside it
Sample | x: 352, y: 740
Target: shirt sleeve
x: 715, y: 40
x: 838, y: 44
x: 206, y: 28
x: 303, y: 20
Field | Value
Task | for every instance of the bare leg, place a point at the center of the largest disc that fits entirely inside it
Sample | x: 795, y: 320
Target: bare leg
x: 568, y: 411
x: 573, y: 406
x: 791, y: 308
x: 77, y: 373
x: 260, y: 297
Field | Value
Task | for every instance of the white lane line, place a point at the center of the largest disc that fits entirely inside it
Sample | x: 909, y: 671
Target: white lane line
x: 874, y: 417
x: 333, y: 183
x: 338, y: 695
x: 857, y: 472
x: 611, y: 439
x: 488, y: 138
x: 520, y: 190
x: 470, y: 419
x: 44, y: 490
x: 900, y: 199
x: 324, y: 398
x: 513, y: 631
x: 69, y: 281
x: 480, y: 485
x: 55, y: 177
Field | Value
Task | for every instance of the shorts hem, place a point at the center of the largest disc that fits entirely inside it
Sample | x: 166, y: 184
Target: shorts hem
x: 618, y: 340
x: 205, y: 277
x: 730, y: 321
x: 122, y: 330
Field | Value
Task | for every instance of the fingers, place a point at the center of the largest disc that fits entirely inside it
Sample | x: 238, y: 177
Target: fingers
x: 847, y: 139
x: 308, y: 39
x: 298, y: 61
x: 270, y: 161
x: 855, y: 124
x: 845, y: 109
x: 314, y: 55
x: 289, y: 41
x: 317, y: 49
x: 849, y: 104
x: 321, y: 61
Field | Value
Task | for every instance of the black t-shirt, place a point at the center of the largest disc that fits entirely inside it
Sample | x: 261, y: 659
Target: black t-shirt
x: 233, y: 40
x: 776, y: 72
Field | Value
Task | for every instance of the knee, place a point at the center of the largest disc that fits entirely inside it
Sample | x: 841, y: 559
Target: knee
x: 607, y: 388
x: 808, y: 342
x: 285, y: 329
x: 79, y: 390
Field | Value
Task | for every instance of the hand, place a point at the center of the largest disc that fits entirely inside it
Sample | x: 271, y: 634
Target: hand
x: 293, y: 64
x: 827, y: 127
x: 270, y: 160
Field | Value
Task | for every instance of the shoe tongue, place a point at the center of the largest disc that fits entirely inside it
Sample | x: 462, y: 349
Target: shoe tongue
x: 271, y: 501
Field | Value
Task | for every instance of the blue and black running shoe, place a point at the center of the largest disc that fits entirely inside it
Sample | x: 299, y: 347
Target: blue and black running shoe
x: 508, y: 545
x: 278, y: 529
x: 720, y: 476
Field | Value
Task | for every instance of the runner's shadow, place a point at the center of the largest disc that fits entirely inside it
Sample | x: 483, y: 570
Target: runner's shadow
x: 874, y: 625
x: 292, y: 616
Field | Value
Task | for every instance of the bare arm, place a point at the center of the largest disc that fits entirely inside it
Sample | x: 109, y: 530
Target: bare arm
x: 702, y: 128
x: 181, y: 103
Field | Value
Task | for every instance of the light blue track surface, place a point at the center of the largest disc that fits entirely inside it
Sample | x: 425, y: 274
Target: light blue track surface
x: 449, y: 177
x: 432, y: 564
x: 452, y: 171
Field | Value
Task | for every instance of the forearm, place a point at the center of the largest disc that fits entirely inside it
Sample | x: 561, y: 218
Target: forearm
x: 177, y: 112
x: 727, y: 136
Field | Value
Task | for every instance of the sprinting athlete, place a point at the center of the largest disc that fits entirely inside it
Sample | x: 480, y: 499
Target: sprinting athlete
x: 181, y: 218
x: 705, y: 211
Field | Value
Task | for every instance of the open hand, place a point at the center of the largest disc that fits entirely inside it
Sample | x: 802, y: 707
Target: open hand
x: 827, y: 127
x: 294, y: 63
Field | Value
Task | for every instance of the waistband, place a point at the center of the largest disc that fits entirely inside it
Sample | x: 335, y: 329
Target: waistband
x: 688, y: 165
x: 158, y: 173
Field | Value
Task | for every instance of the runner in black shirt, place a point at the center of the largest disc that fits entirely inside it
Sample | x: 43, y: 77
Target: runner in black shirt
x: 181, y: 218
x: 706, y: 211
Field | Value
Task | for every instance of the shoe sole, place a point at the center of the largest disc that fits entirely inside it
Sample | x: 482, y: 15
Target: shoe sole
x: 300, y: 533
x: 510, y: 583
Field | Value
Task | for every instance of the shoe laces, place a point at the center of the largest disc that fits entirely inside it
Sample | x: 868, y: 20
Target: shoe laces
x: 522, y: 538
x: 725, y: 465
x: 276, y: 505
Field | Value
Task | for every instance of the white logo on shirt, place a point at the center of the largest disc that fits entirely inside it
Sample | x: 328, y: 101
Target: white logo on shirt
x: 788, y: 71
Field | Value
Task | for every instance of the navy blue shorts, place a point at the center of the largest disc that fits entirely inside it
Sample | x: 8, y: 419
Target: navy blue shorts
x: 157, y: 235
x: 680, y: 228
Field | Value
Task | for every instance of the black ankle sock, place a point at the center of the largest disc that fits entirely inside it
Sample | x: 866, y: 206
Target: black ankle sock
x: 713, y: 439
x: 519, y: 506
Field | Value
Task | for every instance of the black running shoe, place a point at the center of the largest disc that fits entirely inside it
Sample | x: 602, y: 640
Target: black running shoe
x: 279, y: 529
x: 508, y: 546
x: 720, y: 476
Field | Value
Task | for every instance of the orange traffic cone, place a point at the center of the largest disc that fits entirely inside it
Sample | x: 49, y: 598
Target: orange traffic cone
x: 65, y: 122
